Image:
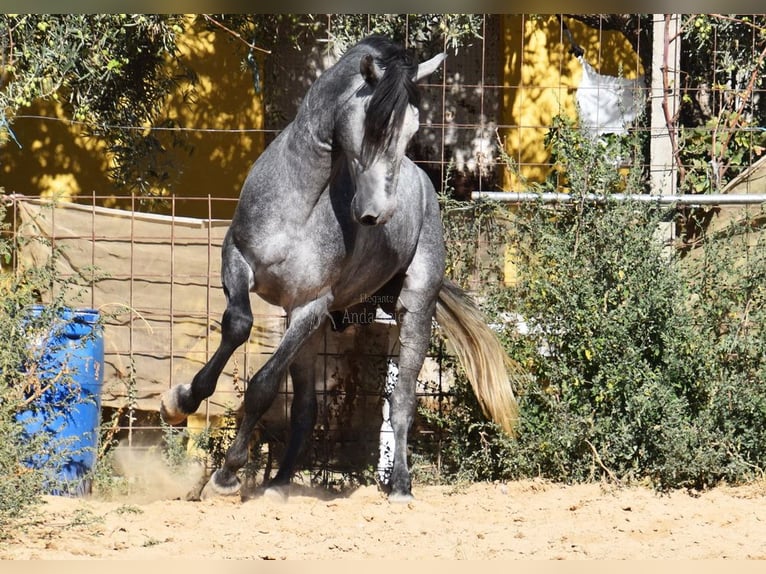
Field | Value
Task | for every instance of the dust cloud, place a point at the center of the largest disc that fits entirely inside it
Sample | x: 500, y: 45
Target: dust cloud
x: 146, y: 476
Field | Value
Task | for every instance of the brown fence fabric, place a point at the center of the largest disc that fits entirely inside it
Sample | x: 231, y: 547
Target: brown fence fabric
x: 156, y: 281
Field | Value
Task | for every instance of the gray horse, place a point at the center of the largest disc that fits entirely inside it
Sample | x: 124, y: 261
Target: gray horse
x: 333, y: 216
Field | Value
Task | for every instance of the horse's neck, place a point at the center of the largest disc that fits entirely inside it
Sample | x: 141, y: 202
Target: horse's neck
x: 309, y: 142
x: 316, y: 115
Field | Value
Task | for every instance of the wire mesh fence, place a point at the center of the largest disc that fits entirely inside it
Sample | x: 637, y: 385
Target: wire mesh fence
x: 152, y: 263
x: 155, y: 279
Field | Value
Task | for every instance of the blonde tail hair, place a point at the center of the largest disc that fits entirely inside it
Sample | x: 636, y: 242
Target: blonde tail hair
x: 491, y: 372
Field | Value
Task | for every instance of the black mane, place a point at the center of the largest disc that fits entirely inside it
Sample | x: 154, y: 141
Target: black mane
x: 393, y: 92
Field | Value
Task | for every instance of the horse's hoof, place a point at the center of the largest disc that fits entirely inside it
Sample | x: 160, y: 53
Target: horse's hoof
x: 170, y: 411
x: 401, y: 497
x: 217, y: 487
x: 277, y: 493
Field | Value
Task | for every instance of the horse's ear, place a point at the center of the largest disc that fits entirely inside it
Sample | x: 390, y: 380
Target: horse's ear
x: 367, y: 69
x: 429, y: 66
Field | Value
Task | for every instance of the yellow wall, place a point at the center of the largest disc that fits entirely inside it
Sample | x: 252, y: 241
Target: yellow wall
x: 55, y: 159
x: 540, y: 77
x: 58, y: 159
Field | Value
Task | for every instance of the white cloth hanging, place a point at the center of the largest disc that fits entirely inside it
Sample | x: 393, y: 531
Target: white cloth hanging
x: 607, y: 104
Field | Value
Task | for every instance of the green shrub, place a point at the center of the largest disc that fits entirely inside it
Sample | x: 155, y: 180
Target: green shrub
x: 645, y: 362
x: 27, y: 463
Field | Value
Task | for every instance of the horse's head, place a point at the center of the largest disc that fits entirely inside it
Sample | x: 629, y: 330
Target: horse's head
x: 377, y: 124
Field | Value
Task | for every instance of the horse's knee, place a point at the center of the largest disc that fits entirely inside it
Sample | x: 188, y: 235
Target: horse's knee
x: 236, y: 325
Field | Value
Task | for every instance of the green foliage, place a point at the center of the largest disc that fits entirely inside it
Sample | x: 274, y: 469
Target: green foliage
x: 440, y: 31
x: 476, y: 235
x: 645, y: 363
x: 107, y: 70
x: 28, y: 464
x: 215, y: 442
x: 582, y: 165
x: 450, y: 31
x: 721, y: 113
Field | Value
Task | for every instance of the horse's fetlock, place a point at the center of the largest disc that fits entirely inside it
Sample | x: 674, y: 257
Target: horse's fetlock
x: 172, y: 407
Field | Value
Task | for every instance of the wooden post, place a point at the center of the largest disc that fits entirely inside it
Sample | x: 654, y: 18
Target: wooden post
x: 664, y: 103
x: 664, y: 94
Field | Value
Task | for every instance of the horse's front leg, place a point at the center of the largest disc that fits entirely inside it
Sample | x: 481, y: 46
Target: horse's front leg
x: 182, y: 400
x: 414, y: 336
x: 262, y: 389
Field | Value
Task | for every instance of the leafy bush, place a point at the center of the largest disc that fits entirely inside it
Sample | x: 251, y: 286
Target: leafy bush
x: 646, y: 363
x: 28, y: 464
x: 720, y: 110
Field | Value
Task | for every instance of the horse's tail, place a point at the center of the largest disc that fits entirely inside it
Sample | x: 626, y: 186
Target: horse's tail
x: 489, y: 368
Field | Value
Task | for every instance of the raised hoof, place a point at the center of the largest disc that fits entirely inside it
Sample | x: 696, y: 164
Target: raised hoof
x: 216, y: 487
x: 277, y: 493
x: 170, y: 412
x: 400, y: 497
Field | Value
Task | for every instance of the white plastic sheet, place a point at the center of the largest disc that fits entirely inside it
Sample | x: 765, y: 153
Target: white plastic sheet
x: 607, y: 104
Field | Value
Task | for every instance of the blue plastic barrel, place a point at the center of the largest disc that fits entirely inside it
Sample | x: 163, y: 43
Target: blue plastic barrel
x: 69, y: 411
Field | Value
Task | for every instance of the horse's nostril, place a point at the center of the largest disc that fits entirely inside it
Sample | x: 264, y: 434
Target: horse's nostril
x: 368, y: 220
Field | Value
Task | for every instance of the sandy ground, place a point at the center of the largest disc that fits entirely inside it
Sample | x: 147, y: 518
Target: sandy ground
x: 519, y: 520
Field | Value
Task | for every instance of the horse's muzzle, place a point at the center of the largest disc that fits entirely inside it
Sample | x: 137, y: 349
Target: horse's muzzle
x: 371, y: 215
x: 369, y: 220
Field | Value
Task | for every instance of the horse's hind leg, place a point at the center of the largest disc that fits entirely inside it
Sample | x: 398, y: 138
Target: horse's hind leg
x: 182, y: 400
x: 303, y: 413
